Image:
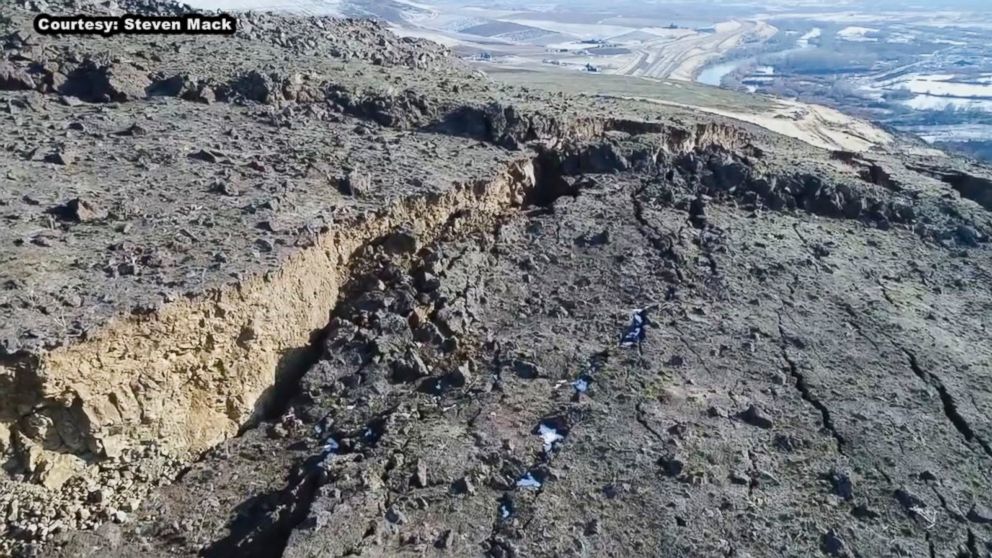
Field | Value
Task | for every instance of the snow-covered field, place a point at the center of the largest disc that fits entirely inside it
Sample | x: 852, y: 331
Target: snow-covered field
x: 945, y: 85
x: 582, y: 31
x: 931, y: 102
x: 857, y: 34
x: 953, y: 132
x: 312, y: 7
x: 813, y: 33
x: 936, y: 92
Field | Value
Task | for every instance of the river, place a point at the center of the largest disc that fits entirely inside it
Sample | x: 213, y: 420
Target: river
x: 713, y: 75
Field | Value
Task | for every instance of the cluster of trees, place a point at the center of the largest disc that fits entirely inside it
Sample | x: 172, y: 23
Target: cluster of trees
x: 814, y: 61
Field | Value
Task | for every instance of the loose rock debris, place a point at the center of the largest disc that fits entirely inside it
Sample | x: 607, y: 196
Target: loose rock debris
x: 283, y: 345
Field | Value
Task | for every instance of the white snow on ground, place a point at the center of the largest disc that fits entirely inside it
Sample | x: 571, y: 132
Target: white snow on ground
x: 727, y: 26
x: 420, y: 33
x: 901, y: 38
x: 570, y: 46
x: 813, y: 33
x: 857, y: 34
x: 931, y: 17
x: 953, y: 132
x: 932, y: 102
x: 949, y: 42
x: 936, y: 92
x: 310, y: 7
x: 631, y: 37
x: 641, y: 34
x: 417, y: 5
x: 583, y: 31
x: 940, y: 85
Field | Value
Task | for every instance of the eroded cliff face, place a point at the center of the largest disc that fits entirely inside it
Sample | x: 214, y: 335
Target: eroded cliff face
x: 364, y: 301
x: 194, y: 372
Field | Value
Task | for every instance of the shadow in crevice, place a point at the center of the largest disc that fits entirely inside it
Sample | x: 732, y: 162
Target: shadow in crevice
x: 293, y: 364
x: 264, y: 523
x: 491, y: 123
x: 974, y: 188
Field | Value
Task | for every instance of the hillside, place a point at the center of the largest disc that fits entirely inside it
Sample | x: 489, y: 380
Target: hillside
x: 318, y: 290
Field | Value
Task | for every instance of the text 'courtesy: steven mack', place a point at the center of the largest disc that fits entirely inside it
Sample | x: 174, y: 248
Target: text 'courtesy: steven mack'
x: 190, y: 24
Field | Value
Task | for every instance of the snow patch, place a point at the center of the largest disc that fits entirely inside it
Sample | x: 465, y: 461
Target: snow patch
x: 857, y: 34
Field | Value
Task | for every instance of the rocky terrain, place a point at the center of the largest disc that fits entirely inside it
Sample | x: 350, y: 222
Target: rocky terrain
x: 315, y: 290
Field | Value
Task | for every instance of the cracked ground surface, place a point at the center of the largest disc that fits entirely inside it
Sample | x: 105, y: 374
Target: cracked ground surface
x: 785, y: 399
x: 326, y: 293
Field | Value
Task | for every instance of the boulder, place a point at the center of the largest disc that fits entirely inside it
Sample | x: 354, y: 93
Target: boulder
x: 13, y: 78
x: 99, y: 83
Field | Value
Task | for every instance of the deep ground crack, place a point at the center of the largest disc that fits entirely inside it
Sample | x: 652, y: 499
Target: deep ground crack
x: 948, y: 402
x: 652, y: 235
x: 253, y: 537
x: 855, y: 316
x: 639, y: 415
x: 825, y: 417
x: 702, y: 361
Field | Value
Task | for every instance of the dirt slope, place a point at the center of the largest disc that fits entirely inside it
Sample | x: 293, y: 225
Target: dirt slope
x: 317, y: 291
